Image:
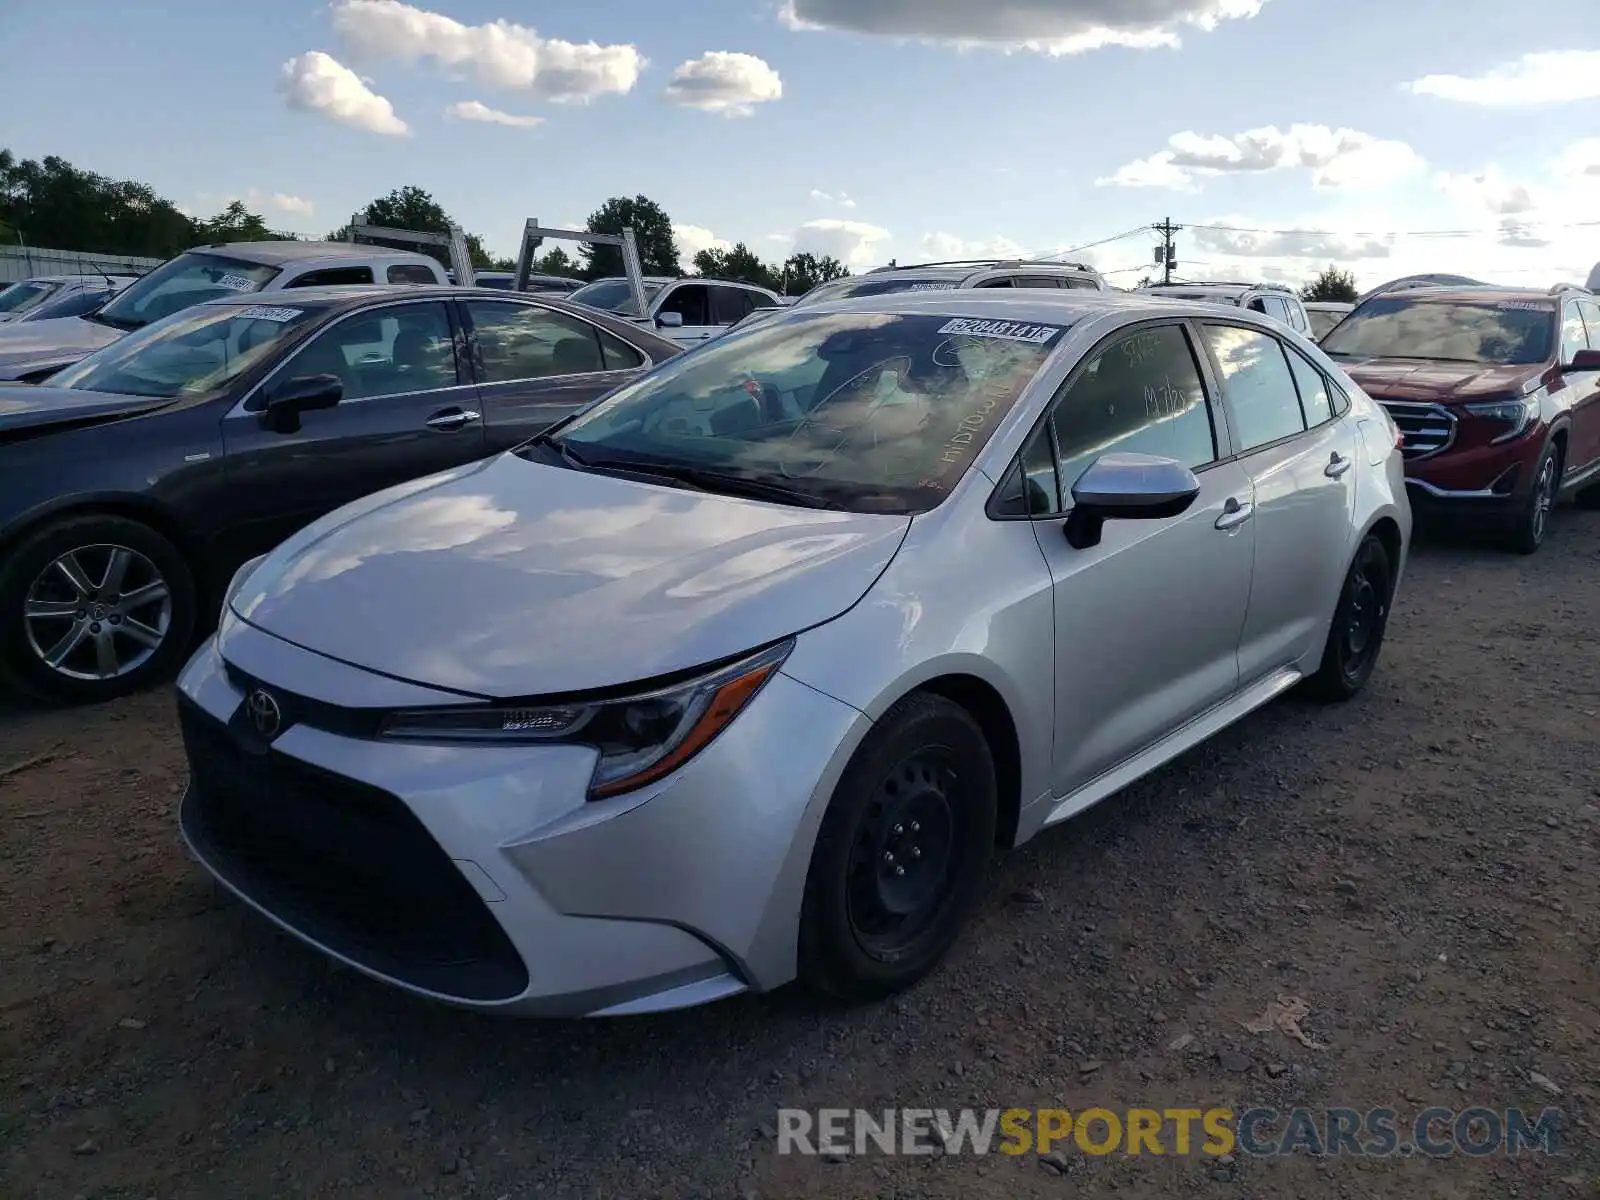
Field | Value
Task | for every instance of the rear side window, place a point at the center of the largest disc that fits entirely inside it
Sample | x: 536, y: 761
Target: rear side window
x: 1256, y: 382
x: 333, y: 277
x: 616, y: 354
x: 410, y: 273
x: 1003, y: 281
x: 1574, y: 336
x: 1143, y: 394
x: 1038, y: 281
x: 1591, y: 319
x: 730, y: 304
x: 1315, y: 400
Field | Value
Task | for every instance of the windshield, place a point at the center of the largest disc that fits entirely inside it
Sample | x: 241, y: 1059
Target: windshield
x: 190, y: 353
x: 868, y: 411
x: 20, y: 296
x: 73, y: 304
x: 870, y: 286
x: 614, y: 295
x: 1520, y: 332
x: 180, y: 282
x: 1322, y: 321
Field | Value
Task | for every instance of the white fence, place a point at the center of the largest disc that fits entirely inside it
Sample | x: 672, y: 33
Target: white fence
x: 24, y: 262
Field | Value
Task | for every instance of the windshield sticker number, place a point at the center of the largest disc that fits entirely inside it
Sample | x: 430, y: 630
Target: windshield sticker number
x: 265, y: 312
x: 935, y: 287
x: 1010, y: 331
x: 1522, y: 306
x: 236, y: 283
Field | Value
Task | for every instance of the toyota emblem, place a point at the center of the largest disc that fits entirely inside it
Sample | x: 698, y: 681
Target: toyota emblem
x: 265, y: 715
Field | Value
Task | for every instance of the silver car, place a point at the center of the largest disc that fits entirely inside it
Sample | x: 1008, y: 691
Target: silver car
x: 744, y: 673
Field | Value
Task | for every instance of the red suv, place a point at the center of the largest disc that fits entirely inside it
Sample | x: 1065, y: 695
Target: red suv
x: 1497, y: 391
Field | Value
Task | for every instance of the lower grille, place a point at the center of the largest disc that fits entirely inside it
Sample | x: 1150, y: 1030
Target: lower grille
x: 1428, y: 428
x: 343, y: 863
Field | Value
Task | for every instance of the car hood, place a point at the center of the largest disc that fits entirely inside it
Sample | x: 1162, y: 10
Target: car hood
x: 510, y: 578
x: 1436, y: 382
x: 30, y: 406
x: 29, y: 345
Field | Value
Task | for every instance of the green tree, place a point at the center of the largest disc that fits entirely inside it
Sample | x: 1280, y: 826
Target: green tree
x: 802, y: 272
x: 51, y: 203
x: 738, y: 263
x: 416, y: 210
x: 652, y: 229
x: 236, y: 223
x: 1332, y: 284
x: 557, y: 262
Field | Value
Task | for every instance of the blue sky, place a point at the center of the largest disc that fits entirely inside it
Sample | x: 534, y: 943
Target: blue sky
x: 868, y: 128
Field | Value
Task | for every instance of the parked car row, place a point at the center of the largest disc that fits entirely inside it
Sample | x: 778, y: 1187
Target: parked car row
x: 28, y: 297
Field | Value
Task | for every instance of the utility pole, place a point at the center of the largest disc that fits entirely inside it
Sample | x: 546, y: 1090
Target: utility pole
x: 1167, y: 255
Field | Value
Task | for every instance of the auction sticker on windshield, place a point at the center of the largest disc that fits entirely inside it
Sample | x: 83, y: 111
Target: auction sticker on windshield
x: 266, y: 312
x: 1010, y: 331
x: 236, y: 283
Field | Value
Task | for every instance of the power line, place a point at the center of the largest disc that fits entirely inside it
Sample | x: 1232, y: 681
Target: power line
x: 1116, y: 237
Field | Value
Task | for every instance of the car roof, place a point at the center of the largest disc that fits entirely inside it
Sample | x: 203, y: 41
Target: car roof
x: 666, y: 279
x: 86, y: 277
x: 1328, y: 305
x: 278, y: 254
x: 1488, y: 291
x: 1007, y: 304
x: 354, y: 295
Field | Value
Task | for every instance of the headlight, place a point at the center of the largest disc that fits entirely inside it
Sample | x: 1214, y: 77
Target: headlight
x: 1518, y: 413
x: 640, y: 738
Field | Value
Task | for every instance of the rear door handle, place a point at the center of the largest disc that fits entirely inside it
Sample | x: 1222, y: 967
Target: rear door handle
x: 453, y: 418
x: 1337, y: 466
x: 1235, y: 514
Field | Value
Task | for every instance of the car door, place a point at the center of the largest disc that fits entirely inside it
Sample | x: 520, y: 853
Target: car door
x: 692, y: 302
x: 1147, y: 622
x: 1301, y: 462
x: 407, y: 410
x: 1585, y: 450
x: 535, y: 365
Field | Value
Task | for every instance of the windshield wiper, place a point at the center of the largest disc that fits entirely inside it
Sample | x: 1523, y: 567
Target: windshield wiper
x: 570, y: 456
x: 708, y: 480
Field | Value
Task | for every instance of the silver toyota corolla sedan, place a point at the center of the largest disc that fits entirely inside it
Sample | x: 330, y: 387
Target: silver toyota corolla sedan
x: 745, y: 672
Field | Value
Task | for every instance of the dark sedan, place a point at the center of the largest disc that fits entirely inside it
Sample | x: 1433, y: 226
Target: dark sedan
x: 143, y: 475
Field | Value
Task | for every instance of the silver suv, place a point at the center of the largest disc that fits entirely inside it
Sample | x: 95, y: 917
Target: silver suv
x: 1274, y: 300
x: 957, y: 275
x: 688, y: 311
x: 828, y: 612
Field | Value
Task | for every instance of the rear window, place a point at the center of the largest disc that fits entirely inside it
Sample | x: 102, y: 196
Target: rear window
x: 1513, y: 332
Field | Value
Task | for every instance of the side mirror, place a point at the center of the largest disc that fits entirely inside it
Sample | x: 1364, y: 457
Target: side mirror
x: 1127, y: 487
x: 669, y: 320
x: 1584, y: 360
x: 303, y: 393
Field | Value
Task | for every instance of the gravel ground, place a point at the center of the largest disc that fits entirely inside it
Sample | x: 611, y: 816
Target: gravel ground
x: 1418, y: 865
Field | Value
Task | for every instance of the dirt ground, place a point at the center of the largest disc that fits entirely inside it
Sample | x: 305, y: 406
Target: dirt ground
x: 1418, y: 865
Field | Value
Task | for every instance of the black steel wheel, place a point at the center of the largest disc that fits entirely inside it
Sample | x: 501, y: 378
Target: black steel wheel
x: 1355, y: 639
x: 901, y: 853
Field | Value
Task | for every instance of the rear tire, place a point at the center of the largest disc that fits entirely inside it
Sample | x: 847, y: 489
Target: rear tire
x: 92, y: 608
x: 1355, y: 638
x: 1531, y: 524
x: 901, y: 854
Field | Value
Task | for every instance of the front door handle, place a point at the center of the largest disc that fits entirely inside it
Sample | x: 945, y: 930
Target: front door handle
x: 1235, y: 514
x: 453, y: 418
x: 1337, y: 466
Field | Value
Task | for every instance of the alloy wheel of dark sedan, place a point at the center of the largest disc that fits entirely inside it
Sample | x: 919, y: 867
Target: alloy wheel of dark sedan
x: 98, y: 612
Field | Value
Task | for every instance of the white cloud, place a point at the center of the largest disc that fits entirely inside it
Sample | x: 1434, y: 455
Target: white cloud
x: 317, y: 83
x: 946, y: 247
x: 851, y: 242
x: 291, y: 204
x: 499, y: 53
x: 842, y: 199
x: 1580, y: 162
x: 725, y: 83
x: 1336, y: 158
x: 473, y: 110
x: 1525, y: 235
x: 1488, y: 190
x: 1550, y: 77
x: 1049, y: 26
x: 1234, y: 237
x: 692, y: 239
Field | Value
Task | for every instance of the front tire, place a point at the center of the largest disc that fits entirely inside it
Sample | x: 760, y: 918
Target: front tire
x: 901, y: 853
x: 1356, y: 637
x: 92, y: 608
x: 1532, y: 521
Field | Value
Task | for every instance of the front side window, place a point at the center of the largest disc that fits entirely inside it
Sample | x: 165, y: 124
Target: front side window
x: 1574, y: 336
x: 691, y: 301
x: 191, y: 353
x: 1257, y: 385
x: 1591, y: 320
x: 384, y: 352
x: 1414, y: 327
x: 874, y: 412
x: 522, y: 341
x: 191, y: 278
x: 411, y: 273
x: 1141, y: 394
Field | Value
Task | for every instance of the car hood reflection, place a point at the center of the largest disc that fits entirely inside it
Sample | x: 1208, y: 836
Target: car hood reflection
x: 512, y: 578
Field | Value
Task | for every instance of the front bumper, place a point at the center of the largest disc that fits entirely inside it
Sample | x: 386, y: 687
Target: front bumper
x: 481, y: 876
